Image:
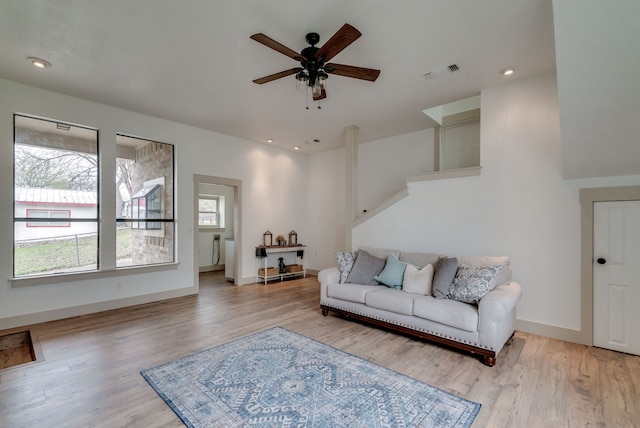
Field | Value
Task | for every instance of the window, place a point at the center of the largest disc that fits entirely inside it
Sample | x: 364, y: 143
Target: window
x: 42, y: 214
x: 57, y: 194
x: 208, y: 211
x: 145, y: 232
x: 55, y: 197
x: 146, y: 205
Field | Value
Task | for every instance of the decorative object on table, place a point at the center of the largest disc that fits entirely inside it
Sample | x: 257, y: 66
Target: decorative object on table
x: 281, y: 241
x: 267, y: 239
x: 282, y: 267
x: 277, y: 378
x: 293, y: 238
x: 268, y: 271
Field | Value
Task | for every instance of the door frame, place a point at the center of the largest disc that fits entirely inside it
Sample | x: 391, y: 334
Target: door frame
x: 587, y: 199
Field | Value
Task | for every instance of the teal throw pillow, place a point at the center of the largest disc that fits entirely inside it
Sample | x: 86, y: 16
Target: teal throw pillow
x: 393, y: 272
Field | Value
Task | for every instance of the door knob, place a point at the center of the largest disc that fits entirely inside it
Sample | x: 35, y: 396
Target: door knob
x: 601, y: 261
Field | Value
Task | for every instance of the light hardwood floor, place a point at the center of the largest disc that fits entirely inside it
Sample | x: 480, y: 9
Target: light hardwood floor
x: 90, y: 373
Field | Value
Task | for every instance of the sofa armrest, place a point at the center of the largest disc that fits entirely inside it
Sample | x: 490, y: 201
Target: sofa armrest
x: 327, y: 276
x: 497, y: 314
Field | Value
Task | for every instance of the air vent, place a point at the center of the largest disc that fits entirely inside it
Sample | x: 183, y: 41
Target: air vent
x: 442, y: 71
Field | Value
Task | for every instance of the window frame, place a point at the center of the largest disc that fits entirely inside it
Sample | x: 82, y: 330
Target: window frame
x: 106, y: 263
x: 63, y: 125
x: 217, y: 212
x: 42, y: 223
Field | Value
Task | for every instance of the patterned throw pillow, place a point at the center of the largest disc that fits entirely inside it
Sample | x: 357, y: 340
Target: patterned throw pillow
x: 473, y: 282
x: 345, y: 263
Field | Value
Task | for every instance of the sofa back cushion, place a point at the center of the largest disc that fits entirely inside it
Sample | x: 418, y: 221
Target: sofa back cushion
x: 381, y: 253
x: 419, y: 259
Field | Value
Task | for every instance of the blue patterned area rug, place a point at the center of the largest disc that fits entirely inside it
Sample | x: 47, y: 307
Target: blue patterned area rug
x: 277, y: 378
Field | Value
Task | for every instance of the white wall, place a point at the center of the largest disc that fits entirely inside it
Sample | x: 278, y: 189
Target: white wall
x: 519, y: 206
x: 274, y: 197
x: 326, y: 202
x: 385, y: 164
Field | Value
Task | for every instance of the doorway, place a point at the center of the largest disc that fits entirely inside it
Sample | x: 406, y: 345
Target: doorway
x: 588, y: 200
x: 236, y: 186
x: 616, y: 275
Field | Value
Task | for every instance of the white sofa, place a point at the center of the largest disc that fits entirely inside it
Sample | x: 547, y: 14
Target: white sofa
x: 481, y: 329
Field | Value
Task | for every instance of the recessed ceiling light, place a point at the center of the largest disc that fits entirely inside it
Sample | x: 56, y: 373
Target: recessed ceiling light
x: 39, y: 62
x: 296, y: 148
x: 269, y: 141
x: 508, y: 71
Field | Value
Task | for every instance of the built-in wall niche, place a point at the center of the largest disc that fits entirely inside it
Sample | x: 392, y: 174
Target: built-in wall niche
x: 457, y: 135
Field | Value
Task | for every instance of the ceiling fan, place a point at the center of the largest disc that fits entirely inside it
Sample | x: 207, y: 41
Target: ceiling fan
x: 314, y: 68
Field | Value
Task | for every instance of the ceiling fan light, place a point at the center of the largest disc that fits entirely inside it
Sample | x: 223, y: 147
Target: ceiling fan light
x: 322, y: 79
x: 316, y: 90
x: 301, y: 80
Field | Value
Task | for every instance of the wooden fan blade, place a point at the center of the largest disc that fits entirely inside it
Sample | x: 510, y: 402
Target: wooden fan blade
x: 362, y: 73
x: 276, y: 76
x: 340, y: 40
x: 322, y: 96
x: 270, y: 43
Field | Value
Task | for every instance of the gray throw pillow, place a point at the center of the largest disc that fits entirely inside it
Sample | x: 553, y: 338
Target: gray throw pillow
x: 473, y: 282
x: 442, y: 279
x: 365, y: 268
x: 345, y: 263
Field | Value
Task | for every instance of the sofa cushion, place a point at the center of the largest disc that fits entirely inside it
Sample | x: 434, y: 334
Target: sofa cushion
x: 443, y: 277
x: 345, y: 263
x: 473, y: 282
x: 504, y: 277
x: 419, y: 259
x: 391, y: 300
x: 447, y: 312
x: 351, y: 292
x: 393, y: 273
x: 381, y: 253
x: 418, y: 281
x: 365, y: 268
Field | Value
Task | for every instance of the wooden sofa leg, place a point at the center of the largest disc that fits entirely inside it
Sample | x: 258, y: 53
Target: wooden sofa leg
x: 325, y: 312
x: 489, y: 361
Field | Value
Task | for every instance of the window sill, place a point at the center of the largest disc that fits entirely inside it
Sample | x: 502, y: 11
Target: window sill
x: 84, y: 276
x: 211, y: 229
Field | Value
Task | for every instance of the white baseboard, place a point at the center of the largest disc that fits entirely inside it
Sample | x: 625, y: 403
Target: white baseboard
x: 74, y: 311
x: 554, y: 332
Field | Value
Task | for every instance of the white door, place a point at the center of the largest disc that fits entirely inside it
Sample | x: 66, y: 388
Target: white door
x: 616, y: 276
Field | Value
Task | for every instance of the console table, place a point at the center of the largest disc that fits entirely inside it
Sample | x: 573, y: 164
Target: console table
x: 293, y: 257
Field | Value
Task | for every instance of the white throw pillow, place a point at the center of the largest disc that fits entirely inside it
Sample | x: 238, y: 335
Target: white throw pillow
x: 418, y: 281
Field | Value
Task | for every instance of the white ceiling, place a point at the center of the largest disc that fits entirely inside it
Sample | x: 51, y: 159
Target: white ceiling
x: 192, y: 61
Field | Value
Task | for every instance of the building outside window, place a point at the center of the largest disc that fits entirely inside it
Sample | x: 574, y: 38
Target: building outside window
x: 55, y: 197
x: 145, y: 232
